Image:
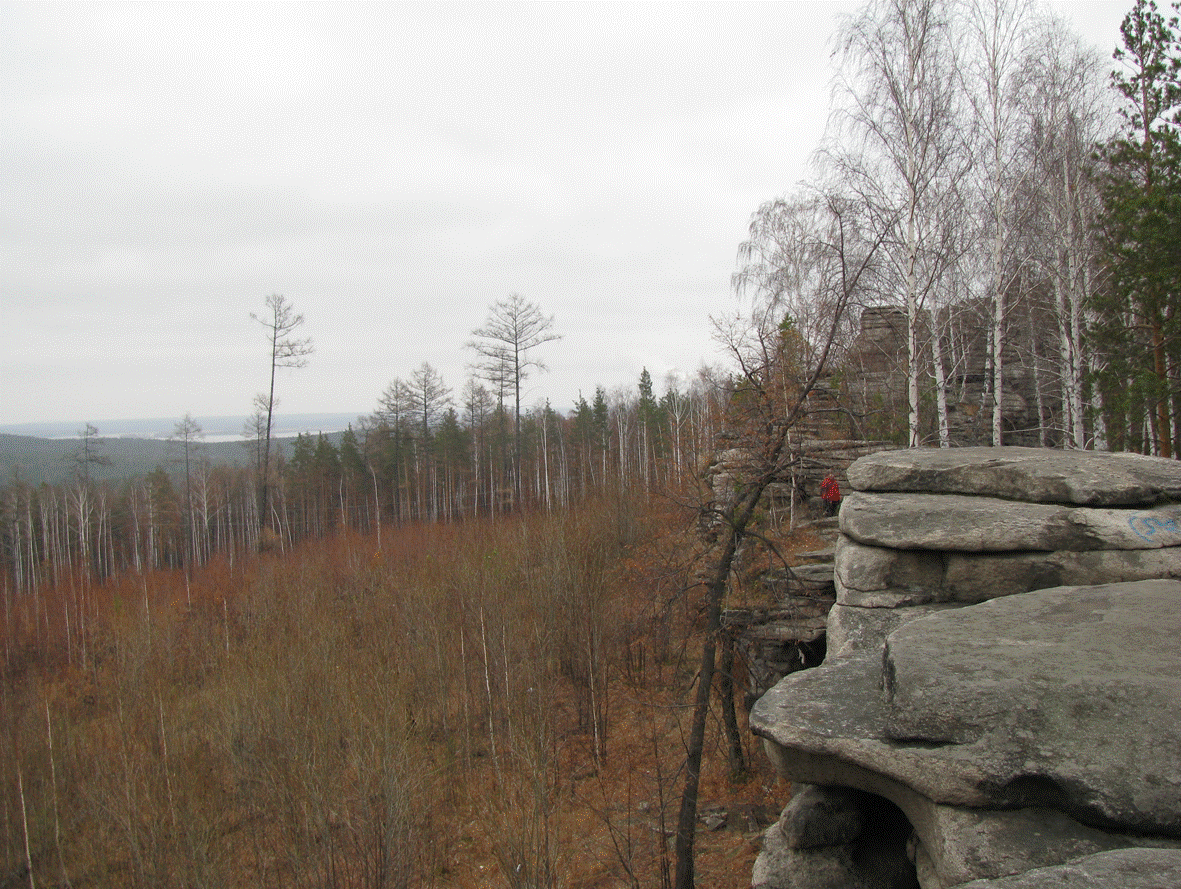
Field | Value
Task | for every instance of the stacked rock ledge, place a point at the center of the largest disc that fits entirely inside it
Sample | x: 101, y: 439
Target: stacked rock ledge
x: 1002, y: 671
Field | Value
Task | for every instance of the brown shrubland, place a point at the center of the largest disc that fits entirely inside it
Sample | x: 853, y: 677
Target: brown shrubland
x: 484, y: 703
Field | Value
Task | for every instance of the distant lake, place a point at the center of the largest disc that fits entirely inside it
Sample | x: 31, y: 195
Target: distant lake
x: 214, y: 429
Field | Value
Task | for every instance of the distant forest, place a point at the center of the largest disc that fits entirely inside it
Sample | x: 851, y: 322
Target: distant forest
x: 120, y: 504
x: 37, y: 461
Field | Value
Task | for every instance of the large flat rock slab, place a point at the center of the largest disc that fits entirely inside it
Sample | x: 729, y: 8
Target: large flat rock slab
x: 828, y: 724
x: 1036, y: 475
x: 1122, y: 868
x: 1037, y: 682
x: 959, y: 523
x: 883, y: 578
x: 1065, y: 699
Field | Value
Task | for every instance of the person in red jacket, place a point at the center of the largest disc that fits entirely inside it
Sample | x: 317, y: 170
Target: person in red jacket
x: 830, y: 492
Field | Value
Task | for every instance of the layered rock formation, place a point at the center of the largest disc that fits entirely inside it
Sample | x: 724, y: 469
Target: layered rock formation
x: 999, y: 703
x: 787, y: 635
x: 874, y: 379
x: 797, y: 491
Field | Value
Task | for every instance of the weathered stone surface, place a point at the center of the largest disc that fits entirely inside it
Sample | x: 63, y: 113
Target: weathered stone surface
x: 852, y: 628
x: 851, y: 866
x: 814, y: 574
x: 817, y: 556
x: 828, y: 726
x: 1034, y: 475
x: 992, y: 720
x: 924, y: 867
x: 1035, y: 683
x: 786, y: 626
x: 780, y: 867
x: 987, y: 524
x: 966, y: 843
x: 878, y: 577
x: 813, y: 580
x: 976, y: 577
x: 1123, y: 868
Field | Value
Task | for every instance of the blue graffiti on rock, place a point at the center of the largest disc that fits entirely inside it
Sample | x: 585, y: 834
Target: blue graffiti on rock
x: 1151, y: 527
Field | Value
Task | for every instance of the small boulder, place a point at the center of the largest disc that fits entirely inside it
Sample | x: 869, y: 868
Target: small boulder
x: 822, y: 816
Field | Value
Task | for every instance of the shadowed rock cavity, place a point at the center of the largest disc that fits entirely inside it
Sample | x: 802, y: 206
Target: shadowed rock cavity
x: 837, y: 837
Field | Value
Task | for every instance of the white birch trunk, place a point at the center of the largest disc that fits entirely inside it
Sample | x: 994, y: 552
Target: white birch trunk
x: 940, y: 386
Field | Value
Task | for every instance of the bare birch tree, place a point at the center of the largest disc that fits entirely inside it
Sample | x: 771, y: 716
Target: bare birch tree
x: 903, y: 154
x: 477, y: 405
x: 1067, y: 112
x: 998, y: 31
x: 429, y: 396
x: 187, y: 435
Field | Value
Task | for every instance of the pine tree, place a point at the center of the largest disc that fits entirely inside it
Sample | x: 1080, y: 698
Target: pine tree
x: 1140, y: 326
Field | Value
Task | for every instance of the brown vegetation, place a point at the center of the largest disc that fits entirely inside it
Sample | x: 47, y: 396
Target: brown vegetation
x: 487, y: 703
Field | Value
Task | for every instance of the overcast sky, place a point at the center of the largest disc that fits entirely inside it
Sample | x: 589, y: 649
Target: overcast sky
x: 392, y: 170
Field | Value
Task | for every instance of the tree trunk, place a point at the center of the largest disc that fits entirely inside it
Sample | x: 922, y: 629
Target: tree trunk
x: 735, y: 753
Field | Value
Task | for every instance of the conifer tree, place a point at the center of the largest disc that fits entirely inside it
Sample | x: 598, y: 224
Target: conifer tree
x: 514, y: 328
x: 1142, y: 227
x: 287, y: 350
